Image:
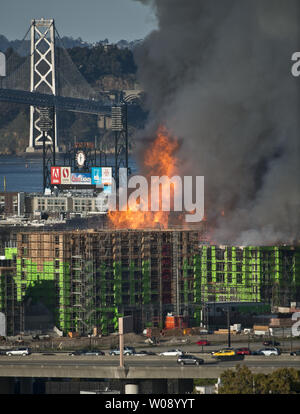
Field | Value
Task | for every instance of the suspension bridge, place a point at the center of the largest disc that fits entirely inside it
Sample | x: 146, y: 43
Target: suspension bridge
x: 47, y: 77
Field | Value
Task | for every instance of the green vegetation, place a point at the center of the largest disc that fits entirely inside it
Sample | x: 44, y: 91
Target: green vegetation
x: 205, y: 381
x: 98, y: 61
x: 243, y: 381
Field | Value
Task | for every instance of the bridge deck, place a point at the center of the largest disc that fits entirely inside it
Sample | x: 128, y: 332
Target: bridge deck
x: 59, y: 102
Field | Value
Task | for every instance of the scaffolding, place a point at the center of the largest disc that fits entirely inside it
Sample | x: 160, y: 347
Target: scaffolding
x: 88, y: 279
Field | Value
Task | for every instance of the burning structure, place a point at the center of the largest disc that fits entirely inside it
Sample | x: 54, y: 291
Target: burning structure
x: 212, y: 75
x: 86, y: 280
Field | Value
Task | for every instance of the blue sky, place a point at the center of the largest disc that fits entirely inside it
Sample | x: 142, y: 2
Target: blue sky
x: 92, y: 20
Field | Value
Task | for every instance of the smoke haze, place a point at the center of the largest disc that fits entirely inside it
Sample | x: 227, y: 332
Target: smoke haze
x: 217, y: 74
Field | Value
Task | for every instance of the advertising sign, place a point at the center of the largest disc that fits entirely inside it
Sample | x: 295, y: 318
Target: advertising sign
x: 106, y: 175
x: 65, y: 175
x: 81, y: 178
x: 55, y: 175
x: 97, y: 175
x: 125, y: 325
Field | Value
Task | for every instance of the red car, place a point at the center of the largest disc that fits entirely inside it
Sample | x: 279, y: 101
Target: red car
x: 243, y: 351
x: 203, y: 342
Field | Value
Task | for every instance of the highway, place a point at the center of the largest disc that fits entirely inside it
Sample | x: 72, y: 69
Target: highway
x: 63, y: 366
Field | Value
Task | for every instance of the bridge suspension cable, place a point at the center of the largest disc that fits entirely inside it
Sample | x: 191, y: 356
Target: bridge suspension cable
x: 69, y: 80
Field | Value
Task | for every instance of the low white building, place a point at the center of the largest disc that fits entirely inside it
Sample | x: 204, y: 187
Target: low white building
x: 83, y: 203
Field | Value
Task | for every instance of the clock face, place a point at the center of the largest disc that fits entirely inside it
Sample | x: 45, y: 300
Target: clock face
x: 80, y: 158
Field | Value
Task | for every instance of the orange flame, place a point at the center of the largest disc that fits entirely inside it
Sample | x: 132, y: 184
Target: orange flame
x: 159, y: 160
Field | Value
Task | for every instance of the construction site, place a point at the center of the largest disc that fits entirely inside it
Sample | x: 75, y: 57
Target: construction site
x: 82, y: 281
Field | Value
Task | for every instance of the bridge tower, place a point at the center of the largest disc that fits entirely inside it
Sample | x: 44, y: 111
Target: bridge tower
x: 42, y: 79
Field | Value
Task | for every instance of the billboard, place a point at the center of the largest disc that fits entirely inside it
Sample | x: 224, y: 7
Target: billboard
x: 81, y: 178
x: 55, y: 175
x: 65, y: 175
x: 125, y: 324
x: 60, y: 175
x: 102, y: 176
x: 106, y: 175
x: 97, y: 175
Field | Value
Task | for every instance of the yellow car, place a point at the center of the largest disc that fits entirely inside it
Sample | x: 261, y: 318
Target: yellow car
x: 224, y: 352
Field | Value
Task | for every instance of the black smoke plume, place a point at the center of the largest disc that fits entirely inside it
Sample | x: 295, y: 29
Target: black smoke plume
x: 218, y: 75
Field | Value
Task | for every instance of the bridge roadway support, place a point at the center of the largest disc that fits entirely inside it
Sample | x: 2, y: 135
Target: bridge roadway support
x: 61, y: 369
x: 131, y: 389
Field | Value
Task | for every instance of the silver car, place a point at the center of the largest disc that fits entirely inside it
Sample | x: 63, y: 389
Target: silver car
x: 19, y: 351
x: 269, y: 351
x: 172, y: 352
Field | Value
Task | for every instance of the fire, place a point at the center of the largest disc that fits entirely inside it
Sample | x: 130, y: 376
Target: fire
x: 159, y: 160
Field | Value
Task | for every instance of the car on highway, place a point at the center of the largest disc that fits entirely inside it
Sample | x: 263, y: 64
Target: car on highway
x: 295, y: 353
x: 172, y: 352
x: 75, y: 353
x: 92, y: 352
x: 224, y: 352
x: 256, y: 352
x: 203, y: 342
x: 243, y: 351
x: 269, y: 351
x: 19, y: 351
x: 189, y: 360
x: 144, y: 353
x: 88, y: 352
x: 271, y: 343
x: 128, y: 350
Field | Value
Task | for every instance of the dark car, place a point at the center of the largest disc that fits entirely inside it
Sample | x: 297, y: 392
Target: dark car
x: 295, y: 353
x: 144, y: 353
x: 271, y: 343
x: 257, y: 352
x: 203, y: 342
x: 87, y: 352
x: 96, y: 352
x: 75, y: 353
x: 243, y: 351
x: 189, y: 360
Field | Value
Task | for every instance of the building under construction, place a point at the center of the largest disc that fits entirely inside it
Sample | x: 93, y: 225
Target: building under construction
x: 83, y: 281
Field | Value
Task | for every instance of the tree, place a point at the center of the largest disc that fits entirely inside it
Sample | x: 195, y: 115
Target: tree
x: 284, y: 381
x: 237, y: 382
x: 243, y: 381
